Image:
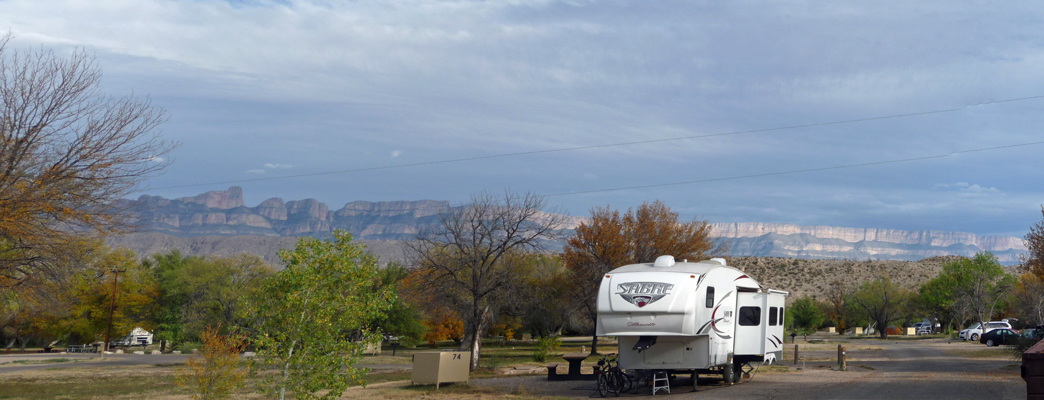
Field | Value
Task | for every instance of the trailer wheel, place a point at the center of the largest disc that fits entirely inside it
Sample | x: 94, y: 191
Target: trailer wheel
x: 728, y: 374
x: 737, y: 372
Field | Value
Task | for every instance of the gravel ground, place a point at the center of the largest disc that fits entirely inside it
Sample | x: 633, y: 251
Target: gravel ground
x: 927, y: 369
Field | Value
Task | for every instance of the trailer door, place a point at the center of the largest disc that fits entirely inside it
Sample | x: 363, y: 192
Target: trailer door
x: 752, y: 323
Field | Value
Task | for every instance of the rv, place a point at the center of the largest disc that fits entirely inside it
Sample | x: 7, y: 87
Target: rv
x: 690, y: 317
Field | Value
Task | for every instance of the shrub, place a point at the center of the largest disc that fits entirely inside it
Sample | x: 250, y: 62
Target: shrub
x: 545, y: 346
x: 217, y: 370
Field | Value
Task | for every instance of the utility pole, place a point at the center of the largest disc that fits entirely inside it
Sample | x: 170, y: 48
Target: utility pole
x: 112, y: 306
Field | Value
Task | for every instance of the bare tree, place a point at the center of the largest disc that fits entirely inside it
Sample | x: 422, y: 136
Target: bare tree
x: 68, y: 153
x: 465, y: 254
x: 1034, y: 240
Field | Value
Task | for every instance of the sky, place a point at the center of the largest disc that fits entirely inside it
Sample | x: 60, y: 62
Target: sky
x: 895, y: 115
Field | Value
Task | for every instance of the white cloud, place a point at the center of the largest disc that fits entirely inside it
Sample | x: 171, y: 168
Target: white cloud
x: 255, y: 171
x: 967, y: 188
x: 396, y: 153
x: 278, y: 166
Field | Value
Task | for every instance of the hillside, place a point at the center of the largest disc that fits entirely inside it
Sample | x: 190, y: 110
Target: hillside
x: 812, y: 277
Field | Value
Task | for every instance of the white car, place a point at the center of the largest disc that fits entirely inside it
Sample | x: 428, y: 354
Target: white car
x: 973, y: 332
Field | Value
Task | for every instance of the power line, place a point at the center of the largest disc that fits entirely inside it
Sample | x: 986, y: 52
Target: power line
x: 729, y: 178
x: 565, y: 149
x: 797, y: 171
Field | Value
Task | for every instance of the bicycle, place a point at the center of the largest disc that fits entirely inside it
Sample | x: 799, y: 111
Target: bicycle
x: 611, y: 378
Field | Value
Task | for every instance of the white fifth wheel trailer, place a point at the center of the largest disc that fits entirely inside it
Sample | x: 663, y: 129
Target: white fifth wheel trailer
x: 690, y: 317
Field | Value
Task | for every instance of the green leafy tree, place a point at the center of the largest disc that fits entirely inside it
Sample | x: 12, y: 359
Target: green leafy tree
x: 306, y: 315
x: 808, y: 315
x: 168, y: 270
x: 403, y: 319
x: 936, y: 299
x: 217, y: 290
x: 979, y: 284
x: 882, y: 302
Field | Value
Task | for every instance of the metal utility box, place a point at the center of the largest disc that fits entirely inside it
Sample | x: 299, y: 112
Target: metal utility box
x: 441, y: 366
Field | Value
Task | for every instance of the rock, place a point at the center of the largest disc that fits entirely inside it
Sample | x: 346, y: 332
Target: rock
x: 139, y: 352
x: 249, y: 354
x: 176, y: 352
x: 195, y: 351
x: 155, y: 352
x: 307, y: 208
x: 273, y: 208
x: 119, y: 351
x: 223, y: 200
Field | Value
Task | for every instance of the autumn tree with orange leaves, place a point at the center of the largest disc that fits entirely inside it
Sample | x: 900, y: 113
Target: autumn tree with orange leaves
x: 609, y: 240
x: 68, y: 153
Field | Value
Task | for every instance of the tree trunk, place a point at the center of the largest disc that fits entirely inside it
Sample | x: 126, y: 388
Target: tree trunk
x: 163, y: 346
x: 594, y: 337
x: 24, y: 341
x: 476, y: 343
x: 9, y: 344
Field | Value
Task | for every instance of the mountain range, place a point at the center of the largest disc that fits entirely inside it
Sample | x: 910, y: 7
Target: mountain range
x: 219, y: 223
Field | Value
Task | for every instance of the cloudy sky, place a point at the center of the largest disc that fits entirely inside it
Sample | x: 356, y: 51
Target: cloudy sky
x: 814, y: 113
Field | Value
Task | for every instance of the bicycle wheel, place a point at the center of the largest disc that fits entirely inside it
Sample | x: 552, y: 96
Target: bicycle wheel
x: 603, y: 386
x: 613, y: 380
x: 628, y: 383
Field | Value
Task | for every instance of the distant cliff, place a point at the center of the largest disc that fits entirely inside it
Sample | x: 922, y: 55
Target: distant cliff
x: 797, y: 241
x: 223, y: 213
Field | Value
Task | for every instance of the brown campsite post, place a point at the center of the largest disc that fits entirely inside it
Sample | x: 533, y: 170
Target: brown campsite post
x: 842, y: 363
x: 795, y: 354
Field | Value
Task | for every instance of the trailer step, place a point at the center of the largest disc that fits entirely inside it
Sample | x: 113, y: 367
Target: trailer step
x: 658, y: 377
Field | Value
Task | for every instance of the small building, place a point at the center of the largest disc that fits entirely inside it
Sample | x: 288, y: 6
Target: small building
x: 137, y: 337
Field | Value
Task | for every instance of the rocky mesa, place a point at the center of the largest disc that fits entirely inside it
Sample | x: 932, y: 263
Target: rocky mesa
x: 218, y: 214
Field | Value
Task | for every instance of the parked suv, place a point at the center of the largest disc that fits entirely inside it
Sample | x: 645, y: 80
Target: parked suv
x: 922, y: 328
x: 975, y: 331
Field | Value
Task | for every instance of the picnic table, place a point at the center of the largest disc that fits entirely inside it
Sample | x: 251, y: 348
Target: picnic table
x: 575, y: 360
x: 82, y: 348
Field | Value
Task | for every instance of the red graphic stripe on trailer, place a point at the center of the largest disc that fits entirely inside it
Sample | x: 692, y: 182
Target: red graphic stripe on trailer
x: 741, y: 277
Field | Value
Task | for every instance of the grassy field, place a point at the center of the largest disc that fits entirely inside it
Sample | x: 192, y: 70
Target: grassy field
x: 157, y: 381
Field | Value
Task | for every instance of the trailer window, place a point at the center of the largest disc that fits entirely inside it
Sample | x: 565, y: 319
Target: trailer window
x: 710, y: 296
x: 750, y: 316
x: 781, y: 316
x: 772, y: 316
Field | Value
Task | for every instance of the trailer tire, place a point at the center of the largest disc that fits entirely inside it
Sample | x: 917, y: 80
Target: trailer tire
x: 728, y: 374
x: 737, y: 372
